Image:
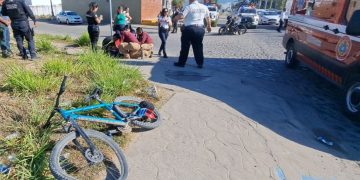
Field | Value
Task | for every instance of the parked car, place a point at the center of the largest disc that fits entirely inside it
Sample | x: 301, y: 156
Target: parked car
x: 250, y: 14
x: 69, y: 17
x: 269, y: 17
x: 327, y: 39
x: 214, y: 14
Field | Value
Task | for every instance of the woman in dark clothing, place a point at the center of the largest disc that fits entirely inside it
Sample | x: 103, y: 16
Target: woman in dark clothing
x: 164, y: 23
x: 93, y: 24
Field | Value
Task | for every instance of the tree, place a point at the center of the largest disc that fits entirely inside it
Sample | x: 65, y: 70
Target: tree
x: 177, y: 3
x: 52, y: 9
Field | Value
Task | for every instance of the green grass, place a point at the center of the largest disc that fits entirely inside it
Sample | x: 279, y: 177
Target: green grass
x: 32, y: 147
x: 45, y: 46
x: 21, y: 80
x: 49, y: 37
x: 58, y: 67
x: 114, y: 79
x: 83, y: 40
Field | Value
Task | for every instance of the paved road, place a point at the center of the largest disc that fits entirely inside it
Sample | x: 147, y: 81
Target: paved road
x: 244, y: 116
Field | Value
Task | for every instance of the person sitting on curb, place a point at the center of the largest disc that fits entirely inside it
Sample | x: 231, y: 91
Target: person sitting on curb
x: 146, y: 43
x: 130, y: 46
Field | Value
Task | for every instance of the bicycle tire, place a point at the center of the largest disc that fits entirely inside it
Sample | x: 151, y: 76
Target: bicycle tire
x: 142, y: 124
x: 59, y: 173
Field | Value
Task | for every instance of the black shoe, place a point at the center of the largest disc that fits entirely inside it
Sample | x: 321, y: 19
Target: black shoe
x: 33, y: 58
x: 179, y: 65
x: 200, y: 66
x: 165, y: 55
x: 159, y: 53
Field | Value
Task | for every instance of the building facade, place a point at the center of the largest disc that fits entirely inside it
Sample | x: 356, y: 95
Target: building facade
x: 140, y: 10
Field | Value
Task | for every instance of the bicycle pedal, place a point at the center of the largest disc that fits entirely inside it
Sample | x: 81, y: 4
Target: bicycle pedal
x: 110, y: 133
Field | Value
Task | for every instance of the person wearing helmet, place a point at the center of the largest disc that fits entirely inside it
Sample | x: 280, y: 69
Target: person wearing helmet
x: 93, y: 24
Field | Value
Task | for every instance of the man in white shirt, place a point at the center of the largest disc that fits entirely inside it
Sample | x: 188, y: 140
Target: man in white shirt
x: 283, y: 20
x: 193, y: 32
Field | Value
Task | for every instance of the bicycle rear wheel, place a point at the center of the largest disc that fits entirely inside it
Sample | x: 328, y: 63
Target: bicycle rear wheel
x: 146, y: 123
x: 71, y: 158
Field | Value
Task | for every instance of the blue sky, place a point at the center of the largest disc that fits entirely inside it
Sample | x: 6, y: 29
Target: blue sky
x: 45, y: 2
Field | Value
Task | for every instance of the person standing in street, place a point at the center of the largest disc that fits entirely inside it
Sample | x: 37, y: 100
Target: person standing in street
x: 120, y: 20
x: 174, y: 21
x: 19, y: 13
x: 93, y: 24
x: 283, y: 20
x: 193, y: 32
x: 4, y: 34
x: 164, y: 23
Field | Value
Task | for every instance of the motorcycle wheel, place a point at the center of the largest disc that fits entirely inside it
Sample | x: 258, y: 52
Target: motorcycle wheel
x: 222, y: 31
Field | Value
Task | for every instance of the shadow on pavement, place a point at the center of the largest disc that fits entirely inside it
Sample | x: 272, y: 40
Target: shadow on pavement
x: 296, y: 104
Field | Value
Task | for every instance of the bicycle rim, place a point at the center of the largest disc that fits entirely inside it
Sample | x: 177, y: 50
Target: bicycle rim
x: 71, y: 158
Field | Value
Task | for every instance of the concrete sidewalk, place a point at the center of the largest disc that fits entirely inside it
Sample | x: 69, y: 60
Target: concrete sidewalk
x: 220, y: 127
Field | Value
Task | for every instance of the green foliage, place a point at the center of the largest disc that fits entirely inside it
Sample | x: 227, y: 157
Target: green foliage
x: 214, y: 23
x: 113, y: 78
x: 49, y: 37
x: 177, y: 3
x: 83, y: 40
x: 32, y: 147
x: 61, y: 67
x: 20, y: 80
x: 45, y: 46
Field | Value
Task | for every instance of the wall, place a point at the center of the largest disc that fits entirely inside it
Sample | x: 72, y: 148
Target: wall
x: 81, y: 6
x: 45, y: 10
x: 150, y: 9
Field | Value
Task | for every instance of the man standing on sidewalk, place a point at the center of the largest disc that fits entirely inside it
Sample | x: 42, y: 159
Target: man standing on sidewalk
x: 4, y: 34
x: 283, y: 20
x: 19, y: 13
x: 193, y: 32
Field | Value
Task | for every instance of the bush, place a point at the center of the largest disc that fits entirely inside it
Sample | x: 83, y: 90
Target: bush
x: 83, y: 40
x: 214, y: 23
x: 45, y: 46
x: 22, y: 81
x: 58, y: 67
x: 113, y: 78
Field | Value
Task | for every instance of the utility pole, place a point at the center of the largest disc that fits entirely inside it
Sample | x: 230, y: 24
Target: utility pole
x: 111, y: 17
x: 52, y: 9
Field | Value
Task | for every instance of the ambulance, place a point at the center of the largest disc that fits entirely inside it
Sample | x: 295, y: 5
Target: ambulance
x: 325, y: 35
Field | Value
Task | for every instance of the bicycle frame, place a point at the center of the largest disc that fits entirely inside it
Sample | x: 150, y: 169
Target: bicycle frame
x: 120, y: 117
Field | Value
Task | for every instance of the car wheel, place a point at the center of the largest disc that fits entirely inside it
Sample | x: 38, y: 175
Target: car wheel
x: 58, y: 21
x: 67, y: 21
x: 352, y: 99
x: 290, y: 58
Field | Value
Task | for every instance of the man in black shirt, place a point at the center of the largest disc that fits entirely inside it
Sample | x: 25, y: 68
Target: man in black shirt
x: 19, y: 13
x: 93, y: 24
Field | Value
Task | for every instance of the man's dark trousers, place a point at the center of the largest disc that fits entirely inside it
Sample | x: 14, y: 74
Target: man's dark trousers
x: 192, y: 35
x: 280, y: 25
x: 22, y: 30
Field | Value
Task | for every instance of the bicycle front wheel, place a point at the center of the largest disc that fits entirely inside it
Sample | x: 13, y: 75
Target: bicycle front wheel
x: 72, y: 158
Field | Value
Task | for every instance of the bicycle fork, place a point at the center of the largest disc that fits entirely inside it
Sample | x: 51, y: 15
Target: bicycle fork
x: 80, y: 132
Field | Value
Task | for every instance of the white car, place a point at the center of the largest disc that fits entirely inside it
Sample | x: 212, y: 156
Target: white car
x: 250, y: 14
x: 69, y: 17
x: 214, y: 14
x: 269, y: 17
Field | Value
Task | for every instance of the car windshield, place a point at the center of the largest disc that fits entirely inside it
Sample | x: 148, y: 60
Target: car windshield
x: 250, y: 11
x: 72, y: 13
x: 270, y: 13
x: 212, y: 8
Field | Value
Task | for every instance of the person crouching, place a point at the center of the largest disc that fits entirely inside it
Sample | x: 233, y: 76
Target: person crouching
x: 146, y: 43
x: 130, y: 46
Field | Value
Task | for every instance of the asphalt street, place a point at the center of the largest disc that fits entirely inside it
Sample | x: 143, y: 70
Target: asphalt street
x: 244, y: 116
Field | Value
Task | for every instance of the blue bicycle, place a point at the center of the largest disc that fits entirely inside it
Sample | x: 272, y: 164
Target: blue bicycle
x: 89, y: 154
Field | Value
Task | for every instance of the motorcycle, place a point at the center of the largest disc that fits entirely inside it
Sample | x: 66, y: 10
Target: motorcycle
x: 234, y: 25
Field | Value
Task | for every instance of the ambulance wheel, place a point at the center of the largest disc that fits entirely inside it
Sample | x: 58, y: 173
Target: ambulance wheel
x: 352, y: 99
x: 290, y: 58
